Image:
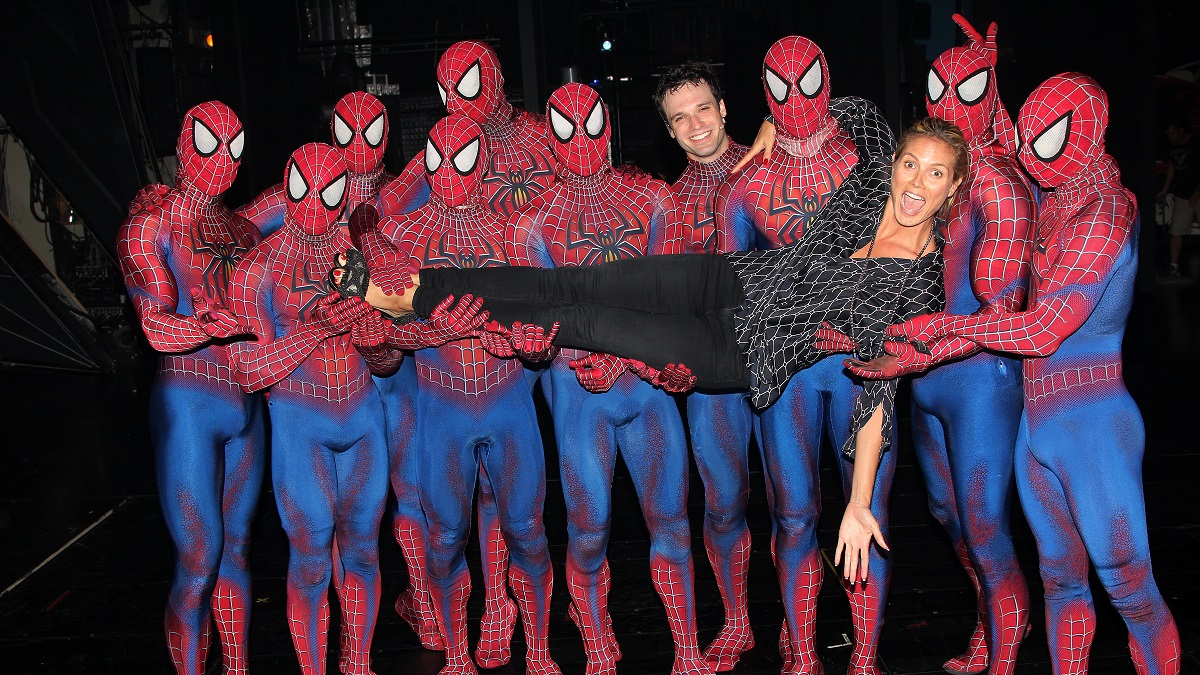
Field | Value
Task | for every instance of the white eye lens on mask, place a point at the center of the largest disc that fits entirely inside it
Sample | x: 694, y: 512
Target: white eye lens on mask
x: 373, y: 134
x: 971, y: 90
x: 563, y: 128
x: 297, y: 186
x: 342, y: 133
x: 237, y: 145
x: 468, y: 86
x: 1050, y: 144
x: 776, y: 85
x: 203, y: 138
x: 464, y: 161
x: 810, y: 84
x: 331, y: 196
x: 594, y: 124
x: 433, y: 158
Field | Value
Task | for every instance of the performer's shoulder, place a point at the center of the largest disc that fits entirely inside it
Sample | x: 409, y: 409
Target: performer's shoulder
x: 524, y: 118
x: 999, y: 171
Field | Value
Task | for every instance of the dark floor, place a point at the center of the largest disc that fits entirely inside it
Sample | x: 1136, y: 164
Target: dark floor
x: 88, y: 559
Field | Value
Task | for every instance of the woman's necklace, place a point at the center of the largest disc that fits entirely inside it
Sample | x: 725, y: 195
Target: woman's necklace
x: 862, y: 275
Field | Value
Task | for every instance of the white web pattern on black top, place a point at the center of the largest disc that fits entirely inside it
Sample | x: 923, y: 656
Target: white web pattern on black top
x: 791, y: 290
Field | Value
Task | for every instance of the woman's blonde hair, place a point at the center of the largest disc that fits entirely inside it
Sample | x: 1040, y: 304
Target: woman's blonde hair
x: 941, y: 130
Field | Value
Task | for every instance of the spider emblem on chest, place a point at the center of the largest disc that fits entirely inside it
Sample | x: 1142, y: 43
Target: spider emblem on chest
x: 600, y: 242
x: 222, y: 257
x: 481, y: 253
x: 514, y: 185
x: 305, y: 288
x: 791, y: 208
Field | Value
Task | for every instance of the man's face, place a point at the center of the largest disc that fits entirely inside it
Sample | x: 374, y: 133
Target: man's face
x: 1176, y: 134
x: 697, y: 121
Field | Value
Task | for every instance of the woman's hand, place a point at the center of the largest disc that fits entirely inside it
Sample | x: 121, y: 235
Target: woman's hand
x: 854, y: 538
x: 764, y: 142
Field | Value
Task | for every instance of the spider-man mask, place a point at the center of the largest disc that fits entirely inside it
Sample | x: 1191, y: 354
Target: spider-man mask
x: 470, y: 82
x: 579, y: 128
x: 797, y: 85
x: 209, y: 149
x: 316, y: 187
x: 962, y: 89
x: 1061, y: 128
x: 455, y: 159
x: 360, y: 129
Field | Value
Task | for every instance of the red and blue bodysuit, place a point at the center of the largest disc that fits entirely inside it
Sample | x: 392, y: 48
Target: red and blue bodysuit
x: 329, y: 455
x: 965, y: 443
x: 720, y: 424
x: 1078, y: 415
x: 475, y: 413
x: 592, y: 216
x: 768, y: 205
x: 519, y: 167
x: 177, y: 251
x: 359, y: 130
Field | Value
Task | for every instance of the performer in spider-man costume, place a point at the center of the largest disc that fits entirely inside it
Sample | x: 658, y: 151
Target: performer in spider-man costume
x: 359, y: 127
x: 177, y: 251
x: 1078, y: 415
x: 965, y: 443
x: 769, y: 204
x: 520, y: 167
x: 329, y: 458
x: 475, y: 412
x: 690, y: 102
x: 590, y: 216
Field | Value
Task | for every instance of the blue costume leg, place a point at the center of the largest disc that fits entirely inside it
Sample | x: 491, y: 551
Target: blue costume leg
x: 867, y: 601
x: 399, y: 395
x: 964, y: 449
x: 499, y: 611
x: 516, y: 453
x: 328, y: 469
x: 587, y: 447
x: 362, y: 492
x: 790, y: 440
x: 245, y: 465
x: 1080, y: 481
x: 720, y: 427
x: 192, y: 426
x: 450, y: 444
x: 654, y: 447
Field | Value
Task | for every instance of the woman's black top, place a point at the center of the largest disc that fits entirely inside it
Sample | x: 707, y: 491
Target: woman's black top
x: 789, y: 291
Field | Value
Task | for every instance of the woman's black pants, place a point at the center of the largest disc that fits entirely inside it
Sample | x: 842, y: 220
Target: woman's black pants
x: 657, y: 309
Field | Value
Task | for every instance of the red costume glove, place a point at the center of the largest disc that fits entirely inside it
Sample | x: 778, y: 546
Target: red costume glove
x: 213, y: 318
x: 925, y: 328
x: 597, y: 372
x: 147, y: 198
x: 495, y: 339
x: 333, y: 316
x: 833, y: 341
x: 533, y: 342
x: 674, y: 377
x: 445, y: 323
x: 370, y: 333
x: 389, y: 268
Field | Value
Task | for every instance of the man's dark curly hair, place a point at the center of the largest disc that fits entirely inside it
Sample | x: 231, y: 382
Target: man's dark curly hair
x: 685, y: 73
